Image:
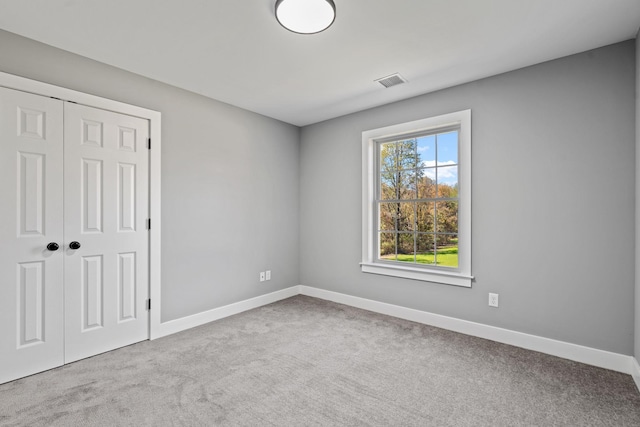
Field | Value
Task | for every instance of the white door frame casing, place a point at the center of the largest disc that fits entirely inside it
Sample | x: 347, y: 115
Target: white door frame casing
x: 45, y: 89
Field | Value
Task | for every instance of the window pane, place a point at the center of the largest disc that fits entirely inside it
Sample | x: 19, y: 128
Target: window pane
x: 406, y: 216
x: 447, y: 217
x: 427, y: 151
x: 407, y: 184
x: 425, y: 216
x: 448, y: 181
x: 388, y: 187
x: 447, y: 250
x: 388, y: 157
x: 397, y: 185
x: 387, y: 213
x: 406, y: 247
x: 448, y: 148
x: 388, y: 171
x: 406, y: 154
x: 426, y: 183
x: 387, y: 242
x: 425, y: 249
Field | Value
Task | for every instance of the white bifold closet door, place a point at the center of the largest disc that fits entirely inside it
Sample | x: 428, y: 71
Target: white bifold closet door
x: 31, y: 217
x: 106, y: 204
x: 74, y: 177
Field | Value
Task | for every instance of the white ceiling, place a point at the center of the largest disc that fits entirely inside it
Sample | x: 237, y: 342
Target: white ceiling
x: 236, y: 52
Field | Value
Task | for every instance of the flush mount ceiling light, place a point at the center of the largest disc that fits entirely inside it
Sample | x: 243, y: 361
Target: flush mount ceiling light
x: 305, y: 16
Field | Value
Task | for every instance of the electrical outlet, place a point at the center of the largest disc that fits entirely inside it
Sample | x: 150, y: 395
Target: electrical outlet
x: 262, y: 276
x: 268, y: 275
x: 493, y: 300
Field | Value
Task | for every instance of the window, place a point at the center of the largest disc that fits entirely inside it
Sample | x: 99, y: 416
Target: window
x: 417, y: 200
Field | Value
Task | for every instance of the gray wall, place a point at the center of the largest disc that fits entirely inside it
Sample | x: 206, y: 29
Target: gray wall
x: 553, y: 201
x: 637, y: 257
x: 229, y: 181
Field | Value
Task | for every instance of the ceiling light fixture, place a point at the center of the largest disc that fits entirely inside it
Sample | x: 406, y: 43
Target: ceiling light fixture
x: 305, y: 16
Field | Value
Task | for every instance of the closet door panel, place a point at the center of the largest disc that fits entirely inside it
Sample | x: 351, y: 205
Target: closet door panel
x: 31, y: 218
x: 106, y: 207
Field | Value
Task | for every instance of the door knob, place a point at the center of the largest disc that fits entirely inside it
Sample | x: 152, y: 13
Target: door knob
x: 74, y: 245
x: 53, y: 246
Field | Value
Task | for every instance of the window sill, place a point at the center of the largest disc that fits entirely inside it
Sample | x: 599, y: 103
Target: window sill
x: 455, y: 279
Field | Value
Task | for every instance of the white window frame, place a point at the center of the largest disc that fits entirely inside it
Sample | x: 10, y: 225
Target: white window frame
x: 370, y: 262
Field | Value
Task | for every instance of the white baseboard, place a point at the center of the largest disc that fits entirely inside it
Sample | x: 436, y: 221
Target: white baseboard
x: 590, y: 356
x: 578, y: 353
x: 184, y: 323
x: 635, y: 371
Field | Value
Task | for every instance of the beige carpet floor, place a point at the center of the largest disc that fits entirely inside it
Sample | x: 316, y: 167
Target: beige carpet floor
x: 308, y: 362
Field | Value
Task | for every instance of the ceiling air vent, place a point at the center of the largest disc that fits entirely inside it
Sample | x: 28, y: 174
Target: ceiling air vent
x: 392, y: 80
